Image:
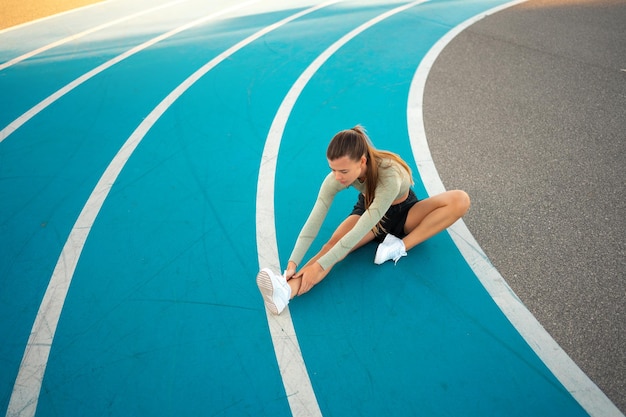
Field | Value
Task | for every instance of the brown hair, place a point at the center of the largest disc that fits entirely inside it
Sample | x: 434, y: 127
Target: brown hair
x: 354, y: 143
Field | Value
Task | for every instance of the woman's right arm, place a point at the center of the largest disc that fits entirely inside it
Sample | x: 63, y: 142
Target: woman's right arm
x: 309, y: 231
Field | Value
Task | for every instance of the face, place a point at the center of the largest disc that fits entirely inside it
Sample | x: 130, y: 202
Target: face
x: 347, y: 170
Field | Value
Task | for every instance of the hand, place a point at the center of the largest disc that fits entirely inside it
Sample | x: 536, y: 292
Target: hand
x: 311, y: 275
x: 291, y: 270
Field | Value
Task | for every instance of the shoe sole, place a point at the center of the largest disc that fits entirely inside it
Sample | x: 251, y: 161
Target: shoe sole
x: 264, y: 282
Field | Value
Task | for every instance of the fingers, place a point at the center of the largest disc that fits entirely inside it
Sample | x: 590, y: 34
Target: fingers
x: 290, y: 271
x: 309, y: 279
x: 310, y: 275
x: 305, y: 286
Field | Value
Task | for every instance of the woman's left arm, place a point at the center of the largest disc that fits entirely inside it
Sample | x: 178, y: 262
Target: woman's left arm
x: 386, y: 192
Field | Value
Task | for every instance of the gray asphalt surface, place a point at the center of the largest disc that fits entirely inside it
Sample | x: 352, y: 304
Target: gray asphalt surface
x: 526, y: 110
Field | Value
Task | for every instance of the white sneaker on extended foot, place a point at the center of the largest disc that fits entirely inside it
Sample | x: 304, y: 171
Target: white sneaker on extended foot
x: 275, y: 290
x: 391, y: 248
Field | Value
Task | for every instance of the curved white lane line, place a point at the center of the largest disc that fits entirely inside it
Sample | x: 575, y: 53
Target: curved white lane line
x: 290, y: 361
x: 30, y: 376
x: 17, y: 123
x: 588, y: 395
x: 83, y: 34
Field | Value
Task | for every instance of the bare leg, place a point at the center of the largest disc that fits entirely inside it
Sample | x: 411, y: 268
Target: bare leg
x: 434, y: 214
x: 341, y: 231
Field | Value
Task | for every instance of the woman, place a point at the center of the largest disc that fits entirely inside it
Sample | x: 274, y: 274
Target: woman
x: 387, y: 211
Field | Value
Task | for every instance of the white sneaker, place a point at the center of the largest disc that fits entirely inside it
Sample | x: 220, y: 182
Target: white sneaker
x: 275, y: 290
x: 391, y: 248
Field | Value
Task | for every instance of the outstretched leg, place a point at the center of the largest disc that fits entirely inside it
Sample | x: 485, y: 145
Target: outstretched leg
x: 341, y: 231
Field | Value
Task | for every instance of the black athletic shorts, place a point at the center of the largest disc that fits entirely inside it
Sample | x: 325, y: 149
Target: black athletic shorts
x: 393, y: 221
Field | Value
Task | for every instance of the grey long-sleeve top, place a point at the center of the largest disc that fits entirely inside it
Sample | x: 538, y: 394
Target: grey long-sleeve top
x: 393, y: 182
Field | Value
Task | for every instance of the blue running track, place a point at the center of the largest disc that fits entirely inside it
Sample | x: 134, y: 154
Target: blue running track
x: 158, y: 150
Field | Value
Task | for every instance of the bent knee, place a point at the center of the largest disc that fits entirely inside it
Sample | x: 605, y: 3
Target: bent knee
x: 460, y: 201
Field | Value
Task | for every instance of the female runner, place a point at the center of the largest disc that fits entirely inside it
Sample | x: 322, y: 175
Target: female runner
x: 387, y: 211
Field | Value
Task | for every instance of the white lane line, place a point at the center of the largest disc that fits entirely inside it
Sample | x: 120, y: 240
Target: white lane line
x: 588, y: 395
x: 83, y: 34
x: 296, y: 380
x: 30, y: 376
x: 17, y: 123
